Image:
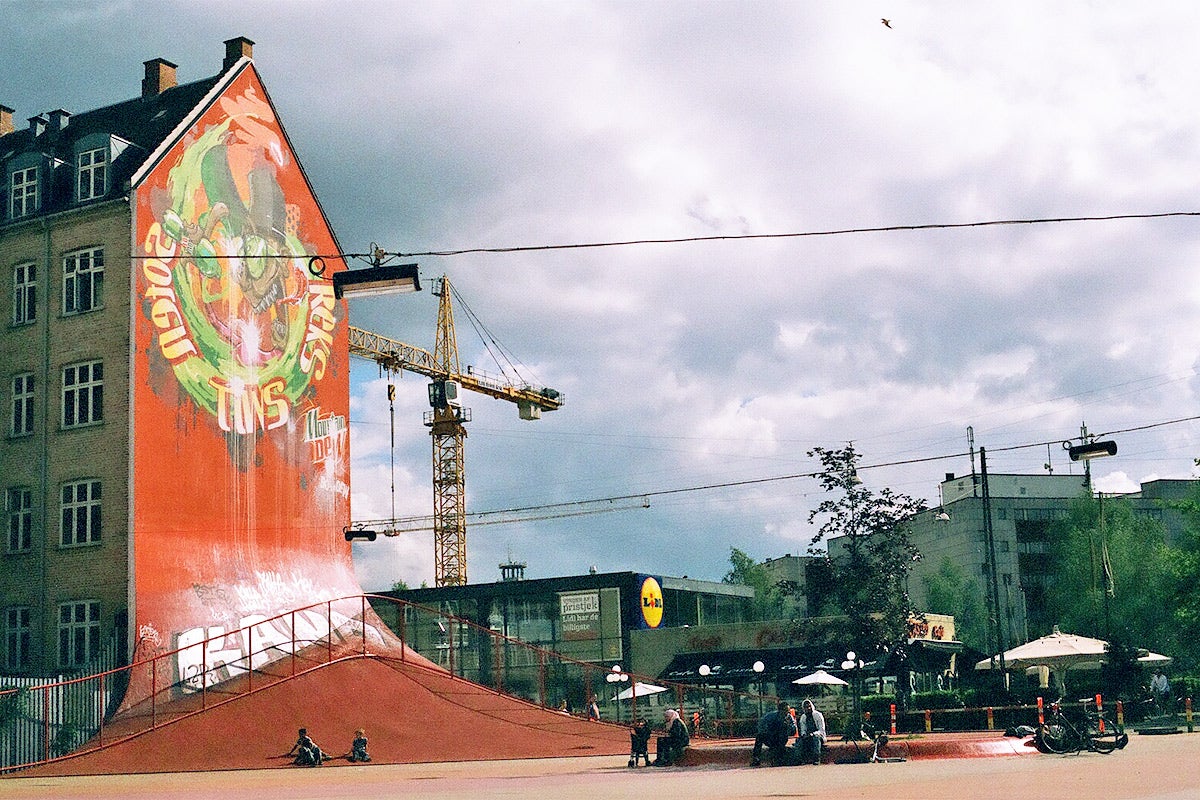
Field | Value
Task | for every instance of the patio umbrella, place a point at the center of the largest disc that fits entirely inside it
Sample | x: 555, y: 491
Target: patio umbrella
x: 820, y: 678
x: 1057, y: 650
x: 641, y: 689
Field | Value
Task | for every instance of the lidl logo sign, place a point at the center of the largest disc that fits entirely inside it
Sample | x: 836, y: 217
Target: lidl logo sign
x: 652, y: 602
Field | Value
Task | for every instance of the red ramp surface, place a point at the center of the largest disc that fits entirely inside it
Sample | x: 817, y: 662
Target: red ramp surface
x: 412, y: 713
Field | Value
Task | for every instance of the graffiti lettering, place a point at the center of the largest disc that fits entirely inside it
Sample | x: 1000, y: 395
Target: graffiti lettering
x: 326, y: 435
x: 245, y: 409
x: 173, y: 338
x: 318, y: 339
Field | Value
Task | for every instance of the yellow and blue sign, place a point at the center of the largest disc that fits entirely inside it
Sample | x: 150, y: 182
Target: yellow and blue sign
x: 651, y: 602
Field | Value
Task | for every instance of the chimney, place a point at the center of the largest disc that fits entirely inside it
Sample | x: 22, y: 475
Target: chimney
x: 236, y: 49
x: 6, y: 122
x: 37, y: 125
x: 160, y: 76
x: 59, y: 119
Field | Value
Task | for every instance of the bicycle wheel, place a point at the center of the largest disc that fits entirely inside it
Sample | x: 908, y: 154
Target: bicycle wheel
x: 1106, y: 741
x: 1054, y: 737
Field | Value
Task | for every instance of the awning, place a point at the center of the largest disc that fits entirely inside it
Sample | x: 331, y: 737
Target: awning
x: 737, y: 666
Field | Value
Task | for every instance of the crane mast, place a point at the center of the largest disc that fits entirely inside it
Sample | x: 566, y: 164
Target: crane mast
x: 445, y: 422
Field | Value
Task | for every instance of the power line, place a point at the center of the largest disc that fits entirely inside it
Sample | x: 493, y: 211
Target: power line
x: 584, y: 507
x: 798, y: 234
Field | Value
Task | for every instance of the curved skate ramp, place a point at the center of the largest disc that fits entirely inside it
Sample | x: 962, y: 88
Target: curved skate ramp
x: 412, y: 713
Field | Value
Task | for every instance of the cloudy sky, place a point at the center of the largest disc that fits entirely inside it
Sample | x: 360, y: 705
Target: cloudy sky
x: 436, y: 126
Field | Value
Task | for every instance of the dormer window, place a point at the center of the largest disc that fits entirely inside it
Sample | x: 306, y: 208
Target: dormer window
x: 23, y: 199
x: 93, y: 174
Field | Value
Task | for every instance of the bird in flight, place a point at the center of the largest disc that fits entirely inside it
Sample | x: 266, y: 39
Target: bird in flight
x: 887, y: 23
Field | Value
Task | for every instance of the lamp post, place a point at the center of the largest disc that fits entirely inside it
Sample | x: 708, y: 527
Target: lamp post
x: 616, y: 676
x: 854, y: 666
x: 1085, y: 451
x: 758, y: 671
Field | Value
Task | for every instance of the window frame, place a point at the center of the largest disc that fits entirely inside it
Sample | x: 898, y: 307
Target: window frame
x: 24, y: 311
x: 24, y: 192
x: 94, y: 172
x: 74, y: 651
x: 18, y: 638
x: 89, y: 389
x: 18, y: 514
x: 80, y: 516
x: 21, y: 405
x: 83, y: 281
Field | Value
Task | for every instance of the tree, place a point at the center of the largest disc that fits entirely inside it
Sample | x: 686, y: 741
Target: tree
x: 1110, y: 575
x: 1183, y: 562
x: 768, y: 597
x: 949, y: 591
x: 870, y: 569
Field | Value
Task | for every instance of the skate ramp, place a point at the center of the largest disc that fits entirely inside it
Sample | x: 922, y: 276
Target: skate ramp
x: 412, y: 713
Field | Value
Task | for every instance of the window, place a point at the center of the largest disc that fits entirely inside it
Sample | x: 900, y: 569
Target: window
x: 93, y: 167
x: 83, y: 280
x: 83, y: 394
x: 18, y: 636
x: 24, y: 294
x: 80, y: 521
x: 22, y: 405
x: 78, y: 633
x: 18, y: 504
x: 23, y: 199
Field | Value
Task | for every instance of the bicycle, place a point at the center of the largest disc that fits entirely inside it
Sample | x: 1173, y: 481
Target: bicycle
x: 1096, y: 733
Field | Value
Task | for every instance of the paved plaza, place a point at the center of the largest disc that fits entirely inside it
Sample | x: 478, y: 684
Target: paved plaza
x: 1151, y: 768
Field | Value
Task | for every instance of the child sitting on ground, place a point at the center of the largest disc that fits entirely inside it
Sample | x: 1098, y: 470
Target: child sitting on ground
x: 358, y: 748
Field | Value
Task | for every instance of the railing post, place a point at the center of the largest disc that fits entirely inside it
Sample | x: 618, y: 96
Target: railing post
x: 1099, y: 712
x: 249, y: 659
x: 1041, y: 712
x: 451, y: 638
x: 293, y: 642
x: 928, y: 721
x: 362, y: 624
x: 329, y: 625
x: 542, y: 678
x: 991, y: 719
x: 46, y: 723
x: 402, y: 620
x: 203, y: 673
x: 154, y: 692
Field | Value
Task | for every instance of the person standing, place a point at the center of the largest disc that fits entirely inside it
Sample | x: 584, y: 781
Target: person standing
x: 811, y: 741
x: 593, y: 710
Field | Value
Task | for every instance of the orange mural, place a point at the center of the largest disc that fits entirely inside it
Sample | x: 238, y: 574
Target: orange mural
x: 240, y: 400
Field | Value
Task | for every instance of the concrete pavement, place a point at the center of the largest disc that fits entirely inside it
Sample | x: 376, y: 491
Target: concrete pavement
x: 1151, y: 768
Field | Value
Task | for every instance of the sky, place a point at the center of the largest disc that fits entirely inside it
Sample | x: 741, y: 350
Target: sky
x: 699, y: 374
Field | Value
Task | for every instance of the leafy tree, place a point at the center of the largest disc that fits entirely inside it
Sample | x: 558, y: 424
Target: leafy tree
x: 400, y: 586
x: 1183, y: 578
x: 1111, y: 575
x: 870, y: 572
x: 949, y: 591
x: 768, y: 596
x: 870, y: 569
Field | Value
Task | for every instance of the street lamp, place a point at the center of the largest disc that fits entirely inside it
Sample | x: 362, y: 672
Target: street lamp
x: 615, y: 677
x: 376, y: 280
x: 758, y: 671
x: 854, y: 666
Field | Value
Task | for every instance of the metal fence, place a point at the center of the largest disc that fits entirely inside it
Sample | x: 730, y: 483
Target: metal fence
x: 44, y: 720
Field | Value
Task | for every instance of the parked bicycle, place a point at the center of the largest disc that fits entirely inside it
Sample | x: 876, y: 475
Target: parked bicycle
x: 1094, y: 732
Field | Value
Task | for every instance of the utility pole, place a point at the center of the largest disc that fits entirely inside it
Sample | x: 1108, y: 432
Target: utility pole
x: 992, y: 577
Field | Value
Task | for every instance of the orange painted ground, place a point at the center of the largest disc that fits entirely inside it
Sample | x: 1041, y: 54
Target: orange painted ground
x: 411, y: 713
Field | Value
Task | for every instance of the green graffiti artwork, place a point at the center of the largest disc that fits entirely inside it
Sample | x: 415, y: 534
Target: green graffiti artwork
x: 244, y: 325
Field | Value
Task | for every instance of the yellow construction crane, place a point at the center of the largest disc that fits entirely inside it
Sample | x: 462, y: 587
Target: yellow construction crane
x: 445, y: 421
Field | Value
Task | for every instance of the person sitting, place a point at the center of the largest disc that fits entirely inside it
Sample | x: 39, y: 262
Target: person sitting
x: 358, y: 748
x: 639, y: 743
x: 811, y: 740
x: 669, y: 748
x: 307, y: 752
x: 774, y: 729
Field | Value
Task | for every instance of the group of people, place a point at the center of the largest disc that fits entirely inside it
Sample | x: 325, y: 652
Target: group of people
x: 778, y: 726
x: 668, y: 748
x: 309, y: 754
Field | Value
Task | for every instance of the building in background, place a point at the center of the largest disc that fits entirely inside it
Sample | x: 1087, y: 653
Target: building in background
x: 175, y: 450
x: 587, y: 618
x: 1023, y: 508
